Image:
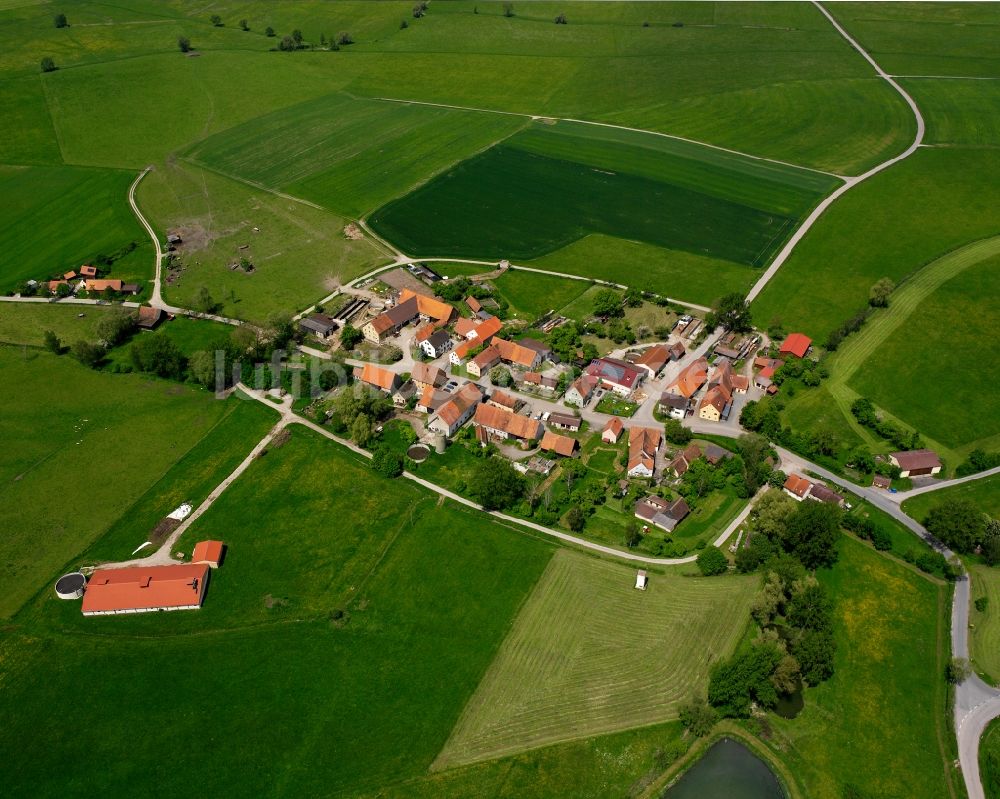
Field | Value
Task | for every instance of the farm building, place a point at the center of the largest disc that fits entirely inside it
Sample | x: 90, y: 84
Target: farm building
x: 144, y: 589
x: 516, y: 354
x: 677, y: 351
x: 388, y: 323
x: 88, y: 271
x: 690, y: 380
x: 881, y: 481
x: 403, y: 394
x: 641, y: 580
x: 612, y: 431
x: 318, y: 323
x: 620, y: 377
x: 502, y: 399
x: 544, y: 350
x: 797, y: 487
x: 503, y: 424
x: 561, y: 445
x: 682, y: 462
x: 457, y: 410
x: 377, y: 377
x: 208, y: 552
x: 657, y: 511
x: 483, y: 362
x: 821, y: 493
x: 916, y: 462
x: 653, y: 360
x: 540, y: 381
x: 148, y: 317
x: 431, y: 399
x: 564, y: 421
x: 796, y: 344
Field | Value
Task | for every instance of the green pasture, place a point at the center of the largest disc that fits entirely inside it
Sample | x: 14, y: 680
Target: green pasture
x: 532, y: 295
x: 351, y: 155
x: 878, y: 725
x: 26, y: 132
x: 939, y: 313
x: 299, y: 252
x: 589, y: 654
x: 926, y: 38
x: 672, y: 273
x: 308, y: 633
x: 879, y: 229
x: 80, y: 448
x: 26, y: 323
x: 989, y: 760
x: 959, y: 113
x: 54, y: 219
x: 984, y: 633
x: 984, y: 493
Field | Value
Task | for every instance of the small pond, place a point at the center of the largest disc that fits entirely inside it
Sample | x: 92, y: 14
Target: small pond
x: 728, y: 769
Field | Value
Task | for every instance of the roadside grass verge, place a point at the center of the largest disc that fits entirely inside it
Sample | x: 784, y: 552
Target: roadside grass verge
x: 617, y: 657
x: 984, y: 633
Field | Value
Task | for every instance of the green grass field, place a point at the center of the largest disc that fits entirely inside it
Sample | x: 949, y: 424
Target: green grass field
x: 959, y: 113
x: 890, y: 362
x: 270, y: 667
x: 989, y: 760
x: 300, y: 253
x: 879, y: 723
x: 984, y: 636
x: 877, y: 230
x: 548, y: 186
x: 926, y: 38
x: 53, y: 219
x: 590, y: 654
x: 532, y: 295
x: 81, y: 448
x: 985, y: 493
x: 26, y: 323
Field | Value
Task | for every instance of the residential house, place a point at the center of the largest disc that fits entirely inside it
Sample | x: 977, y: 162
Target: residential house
x: 517, y: 355
x: 612, y: 431
x: 797, y: 487
x: 682, y: 462
x: 714, y: 453
x: 916, y: 462
x: 390, y: 322
x: 318, y: 323
x: 564, y: 421
x: 581, y: 390
x: 483, y: 362
x: 377, y: 377
x: 677, y: 351
x: 659, y: 512
x: 436, y: 344
x: 431, y: 399
x: 503, y: 424
x: 690, y: 380
x: 716, y: 403
x: 653, y: 360
x: 881, y: 481
x: 561, y: 445
x: 402, y: 394
x: 425, y: 376
x: 620, y: 377
x: 457, y: 410
x: 538, y: 380
x: 94, y: 285
x: 796, y: 344
x: 474, y: 305
x: 502, y: 399
x: 674, y: 405
x: 643, y: 444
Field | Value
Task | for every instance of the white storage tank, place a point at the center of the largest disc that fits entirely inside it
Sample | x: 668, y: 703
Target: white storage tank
x: 70, y: 586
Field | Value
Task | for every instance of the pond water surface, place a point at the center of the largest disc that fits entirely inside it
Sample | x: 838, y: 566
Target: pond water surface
x: 728, y: 770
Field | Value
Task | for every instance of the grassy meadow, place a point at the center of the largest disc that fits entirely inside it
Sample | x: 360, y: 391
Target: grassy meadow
x: 532, y: 295
x: 97, y: 442
x: 57, y: 218
x: 984, y: 493
x: 26, y: 323
x: 290, y: 682
x: 984, y: 635
x: 548, y: 186
x: 300, y: 253
x: 871, y: 233
x: 959, y: 113
x: 616, y: 657
x: 878, y: 725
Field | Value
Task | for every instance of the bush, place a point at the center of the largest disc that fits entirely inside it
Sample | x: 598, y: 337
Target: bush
x: 957, y: 670
x: 676, y: 433
x: 216, y: 20
x: 269, y: 31
x: 344, y: 38
x: 711, y: 561
x: 982, y: 603
x: 386, y: 462
x: 698, y: 716
x: 881, y: 539
x: 59, y: 20
x: 88, y: 354
x: 184, y: 44
x: 48, y: 65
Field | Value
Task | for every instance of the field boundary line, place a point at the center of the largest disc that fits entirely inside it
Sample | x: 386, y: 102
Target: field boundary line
x: 850, y: 183
x: 535, y: 117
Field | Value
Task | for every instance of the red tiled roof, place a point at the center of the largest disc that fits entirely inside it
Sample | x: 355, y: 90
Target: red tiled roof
x: 514, y: 353
x: 428, y: 306
x: 376, y: 376
x: 796, y: 344
x: 463, y: 399
x: 655, y: 358
x: 561, y: 445
x: 691, y: 378
x: 207, y: 552
x: 474, y: 305
x: 511, y: 423
x: 145, y: 588
x: 613, y: 426
x: 916, y: 459
x: 798, y: 485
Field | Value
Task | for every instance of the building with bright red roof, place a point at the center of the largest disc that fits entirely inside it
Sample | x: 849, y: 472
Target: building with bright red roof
x: 144, y: 589
x: 796, y: 344
x: 208, y: 552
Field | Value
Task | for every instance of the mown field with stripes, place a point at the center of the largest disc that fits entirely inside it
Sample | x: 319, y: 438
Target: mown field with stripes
x: 589, y: 654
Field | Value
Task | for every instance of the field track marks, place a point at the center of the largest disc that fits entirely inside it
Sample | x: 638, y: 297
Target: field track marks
x: 608, y: 125
x: 820, y: 209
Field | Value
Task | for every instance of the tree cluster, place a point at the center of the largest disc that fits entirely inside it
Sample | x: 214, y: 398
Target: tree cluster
x: 878, y: 296
x: 979, y: 460
x: 959, y: 524
x: 495, y: 483
x: 864, y: 411
x: 712, y: 562
x: 852, y: 325
x: 868, y: 529
x: 807, y: 531
x: 732, y: 312
x: 355, y: 413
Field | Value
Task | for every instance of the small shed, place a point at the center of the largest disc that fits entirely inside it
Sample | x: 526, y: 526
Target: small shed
x: 208, y: 552
x: 641, y: 580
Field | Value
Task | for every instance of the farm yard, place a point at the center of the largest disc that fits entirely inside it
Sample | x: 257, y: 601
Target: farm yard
x: 618, y: 658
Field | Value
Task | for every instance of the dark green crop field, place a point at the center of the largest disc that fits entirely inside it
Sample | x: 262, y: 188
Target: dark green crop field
x: 547, y: 187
